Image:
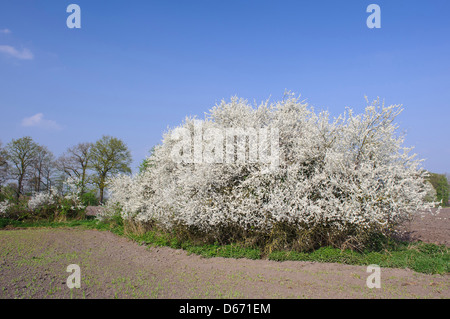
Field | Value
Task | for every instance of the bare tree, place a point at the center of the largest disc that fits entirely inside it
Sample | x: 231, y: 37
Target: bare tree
x: 75, y: 163
x: 3, y: 166
x: 21, y: 154
x: 43, y: 168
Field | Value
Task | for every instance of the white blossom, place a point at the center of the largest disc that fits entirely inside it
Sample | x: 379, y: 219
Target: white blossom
x: 44, y: 198
x: 352, y: 170
x: 74, y: 186
x: 53, y: 197
x: 4, y: 207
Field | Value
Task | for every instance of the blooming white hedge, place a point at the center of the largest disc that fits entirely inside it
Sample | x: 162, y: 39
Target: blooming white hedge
x: 4, y: 207
x: 70, y: 200
x: 42, y: 199
x: 350, y: 171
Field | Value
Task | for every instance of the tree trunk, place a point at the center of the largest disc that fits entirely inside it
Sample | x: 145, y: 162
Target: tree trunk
x: 101, y: 194
x: 39, y: 180
x: 83, y: 180
x: 102, y: 186
x: 19, y: 186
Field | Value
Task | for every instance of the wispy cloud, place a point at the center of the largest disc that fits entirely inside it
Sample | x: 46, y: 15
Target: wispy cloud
x: 5, y: 31
x: 38, y: 120
x: 25, y: 54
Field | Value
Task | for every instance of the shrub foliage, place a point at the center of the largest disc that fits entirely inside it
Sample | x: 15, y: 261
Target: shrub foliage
x: 339, y: 181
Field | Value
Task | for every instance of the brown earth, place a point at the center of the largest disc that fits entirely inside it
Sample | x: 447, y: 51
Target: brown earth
x: 33, y: 264
x: 431, y: 228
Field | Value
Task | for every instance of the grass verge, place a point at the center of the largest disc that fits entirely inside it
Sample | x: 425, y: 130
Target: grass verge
x: 420, y: 257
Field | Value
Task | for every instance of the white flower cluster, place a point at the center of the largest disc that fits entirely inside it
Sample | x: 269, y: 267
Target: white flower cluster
x: 53, y: 197
x: 351, y: 171
x: 42, y: 199
x: 73, y: 187
x: 4, y: 207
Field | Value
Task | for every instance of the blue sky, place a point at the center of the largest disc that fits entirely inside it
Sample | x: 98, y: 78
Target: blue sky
x: 137, y: 67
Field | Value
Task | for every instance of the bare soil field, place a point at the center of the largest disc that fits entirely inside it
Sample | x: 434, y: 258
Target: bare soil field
x: 429, y: 228
x: 33, y: 264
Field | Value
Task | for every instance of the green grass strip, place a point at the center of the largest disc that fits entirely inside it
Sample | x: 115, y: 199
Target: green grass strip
x: 418, y: 256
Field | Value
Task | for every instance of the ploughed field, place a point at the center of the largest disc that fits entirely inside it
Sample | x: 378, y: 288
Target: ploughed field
x: 33, y: 264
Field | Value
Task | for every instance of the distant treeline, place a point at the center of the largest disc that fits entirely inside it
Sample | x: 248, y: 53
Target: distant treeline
x: 27, y: 167
x: 441, y: 183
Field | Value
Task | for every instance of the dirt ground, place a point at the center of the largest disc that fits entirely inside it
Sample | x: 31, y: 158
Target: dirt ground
x: 33, y: 265
x: 430, y: 228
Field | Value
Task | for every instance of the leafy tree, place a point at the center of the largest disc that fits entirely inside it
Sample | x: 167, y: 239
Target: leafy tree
x: 431, y: 193
x: 21, y: 154
x: 8, y: 192
x: 75, y: 163
x: 147, y: 162
x: 89, y: 199
x: 109, y: 156
x: 440, y: 184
